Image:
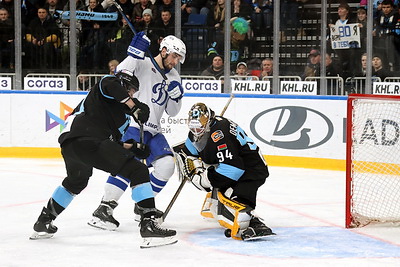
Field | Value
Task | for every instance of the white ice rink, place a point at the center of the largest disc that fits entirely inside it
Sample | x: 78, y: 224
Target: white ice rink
x: 304, y: 207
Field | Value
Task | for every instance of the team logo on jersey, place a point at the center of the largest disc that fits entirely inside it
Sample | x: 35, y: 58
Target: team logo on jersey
x: 160, y: 95
x: 217, y: 135
x: 222, y: 147
x: 52, y: 120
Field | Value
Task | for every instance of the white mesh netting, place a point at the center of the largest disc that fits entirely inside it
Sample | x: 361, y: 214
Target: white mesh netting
x: 375, y: 161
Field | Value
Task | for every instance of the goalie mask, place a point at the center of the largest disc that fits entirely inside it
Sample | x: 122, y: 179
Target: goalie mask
x: 128, y: 80
x: 200, y: 118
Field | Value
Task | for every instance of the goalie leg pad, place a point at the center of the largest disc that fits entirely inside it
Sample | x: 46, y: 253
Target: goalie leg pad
x: 233, y: 215
x: 210, y: 205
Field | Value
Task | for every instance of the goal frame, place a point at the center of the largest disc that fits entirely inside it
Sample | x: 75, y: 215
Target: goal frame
x: 349, y: 145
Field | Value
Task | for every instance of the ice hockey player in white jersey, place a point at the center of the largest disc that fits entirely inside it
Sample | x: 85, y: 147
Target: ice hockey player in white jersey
x: 220, y: 158
x: 161, y: 96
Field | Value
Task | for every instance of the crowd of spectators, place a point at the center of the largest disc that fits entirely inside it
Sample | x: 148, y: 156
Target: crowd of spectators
x: 46, y: 33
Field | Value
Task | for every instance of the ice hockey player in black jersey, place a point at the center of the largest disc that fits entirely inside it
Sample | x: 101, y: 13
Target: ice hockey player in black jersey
x: 219, y: 157
x: 91, y: 139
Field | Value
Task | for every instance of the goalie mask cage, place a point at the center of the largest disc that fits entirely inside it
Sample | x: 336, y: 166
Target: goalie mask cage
x: 372, y: 160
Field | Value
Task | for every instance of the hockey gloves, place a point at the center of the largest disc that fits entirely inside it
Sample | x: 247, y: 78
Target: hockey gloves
x: 140, y: 150
x: 175, y: 91
x: 139, y: 45
x: 140, y: 112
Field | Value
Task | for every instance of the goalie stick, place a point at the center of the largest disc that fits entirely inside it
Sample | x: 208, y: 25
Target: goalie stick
x: 183, y: 177
x: 121, y: 11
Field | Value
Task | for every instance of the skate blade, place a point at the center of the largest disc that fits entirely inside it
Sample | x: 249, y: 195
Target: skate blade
x: 151, y: 242
x: 255, y: 238
x: 97, y: 223
x: 40, y: 235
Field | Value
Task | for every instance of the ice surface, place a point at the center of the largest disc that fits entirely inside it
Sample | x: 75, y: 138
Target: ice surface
x: 305, y: 207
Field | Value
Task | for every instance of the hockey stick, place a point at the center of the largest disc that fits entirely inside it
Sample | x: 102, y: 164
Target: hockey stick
x: 185, y: 178
x: 141, y: 136
x: 134, y: 32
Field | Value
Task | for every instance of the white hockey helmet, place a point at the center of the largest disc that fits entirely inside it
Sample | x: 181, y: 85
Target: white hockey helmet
x: 200, y: 118
x: 174, y: 45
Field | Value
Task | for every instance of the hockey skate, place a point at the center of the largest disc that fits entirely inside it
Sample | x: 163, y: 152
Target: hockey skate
x: 138, y: 214
x: 154, y: 235
x: 256, y: 230
x: 103, y: 216
x: 44, y: 228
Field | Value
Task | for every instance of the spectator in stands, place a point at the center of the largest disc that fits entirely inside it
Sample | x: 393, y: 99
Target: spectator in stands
x: 164, y: 5
x: 6, y: 40
x: 140, y: 7
x: 84, y: 82
x: 379, y: 69
x: 266, y: 68
x: 119, y: 40
x: 216, y: 21
x: 313, y: 67
x: 199, y: 7
x: 42, y: 39
x: 216, y: 69
x: 186, y: 10
x: 362, y: 24
x: 147, y: 26
x: 242, y: 71
x: 347, y: 59
x: 387, y: 36
x: 362, y: 71
x: 165, y: 26
x: 331, y: 67
x: 28, y: 10
x: 262, y: 16
x: 240, y: 30
x: 126, y: 5
x: 241, y: 9
x: 95, y: 51
x: 254, y: 66
x: 52, y: 6
x: 112, y: 65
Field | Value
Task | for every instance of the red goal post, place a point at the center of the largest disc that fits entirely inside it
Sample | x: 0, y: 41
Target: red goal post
x: 372, y: 160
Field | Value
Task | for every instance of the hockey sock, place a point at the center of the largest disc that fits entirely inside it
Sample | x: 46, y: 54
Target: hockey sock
x: 142, y: 194
x: 156, y: 184
x: 115, y: 188
x: 59, y: 201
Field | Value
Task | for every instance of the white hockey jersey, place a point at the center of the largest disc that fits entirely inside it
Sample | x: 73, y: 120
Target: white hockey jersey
x: 152, y: 91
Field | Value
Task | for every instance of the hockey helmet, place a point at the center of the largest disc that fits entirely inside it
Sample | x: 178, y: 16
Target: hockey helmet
x: 200, y: 118
x: 128, y: 79
x: 174, y: 45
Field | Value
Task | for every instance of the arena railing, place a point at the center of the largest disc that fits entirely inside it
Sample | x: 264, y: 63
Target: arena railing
x: 334, y: 86
x: 357, y: 85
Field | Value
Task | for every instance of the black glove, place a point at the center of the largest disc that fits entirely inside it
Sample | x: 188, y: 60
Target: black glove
x: 140, y: 112
x: 140, y: 150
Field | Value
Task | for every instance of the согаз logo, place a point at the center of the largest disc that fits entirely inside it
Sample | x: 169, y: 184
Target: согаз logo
x: 292, y: 127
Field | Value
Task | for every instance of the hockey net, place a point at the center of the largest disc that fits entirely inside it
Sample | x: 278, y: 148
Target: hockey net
x: 373, y: 160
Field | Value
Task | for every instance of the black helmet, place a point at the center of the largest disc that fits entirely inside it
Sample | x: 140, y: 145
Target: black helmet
x: 128, y: 80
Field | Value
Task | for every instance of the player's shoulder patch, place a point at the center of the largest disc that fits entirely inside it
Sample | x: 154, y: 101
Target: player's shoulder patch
x: 217, y: 135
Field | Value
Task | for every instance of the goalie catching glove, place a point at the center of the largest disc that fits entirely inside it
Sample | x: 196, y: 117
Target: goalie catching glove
x: 194, y: 170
